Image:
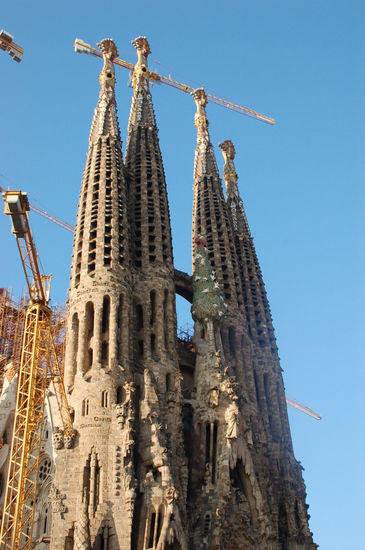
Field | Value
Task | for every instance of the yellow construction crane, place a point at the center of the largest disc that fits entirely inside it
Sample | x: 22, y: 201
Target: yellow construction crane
x: 38, y: 368
x: 82, y: 47
x: 8, y: 45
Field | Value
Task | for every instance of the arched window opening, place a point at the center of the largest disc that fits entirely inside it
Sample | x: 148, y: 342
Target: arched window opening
x: 102, y: 539
x: 266, y: 387
x: 152, y: 531
x: 257, y: 389
x: 232, y: 341
x: 159, y: 526
x: 283, y: 527
x: 139, y: 342
x: 120, y: 395
x: 139, y: 317
x: 187, y: 382
x: 120, y: 311
x: 152, y: 307
x: 153, y: 343
x: 89, y: 314
x: 169, y: 382
x: 69, y: 539
x: 165, y: 317
x: 214, y: 453
x: 282, y: 409
x: 89, y: 331
x: 119, y: 325
x: 241, y: 481
x: 75, y: 337
x: 105, y: 314
x: 104, y: 352
x: 46, y: 520
x: 99, y: 542
x: 225, y: 340
x: 207, y: 444
x: 140, y: 349
x: 211, y: 446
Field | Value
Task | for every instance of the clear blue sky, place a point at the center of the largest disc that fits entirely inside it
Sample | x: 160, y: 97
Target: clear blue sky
x: 299, y: 62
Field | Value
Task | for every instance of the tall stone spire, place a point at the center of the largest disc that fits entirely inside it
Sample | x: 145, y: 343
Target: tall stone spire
x: 285, y: 493
x: 210, y: 218
x: 97, y: 364
x: 160, y: 464
x: 101, y: 235
x: 266, y: 366
x: 254, y: 294
x: 150, y: 218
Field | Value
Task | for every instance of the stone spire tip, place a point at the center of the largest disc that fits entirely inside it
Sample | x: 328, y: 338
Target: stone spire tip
x: 141, y: 73
x: 200, y: 97
x: 228, y: 149
x: 229, y: 171
x: 141, y: 44
x: 107, y: 75
x: 108, y: 48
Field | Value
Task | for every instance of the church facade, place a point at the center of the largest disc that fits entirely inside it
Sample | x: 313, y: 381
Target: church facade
x: 181, y: 445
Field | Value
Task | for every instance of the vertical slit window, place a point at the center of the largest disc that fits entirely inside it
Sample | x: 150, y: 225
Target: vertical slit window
x: 152, y: 306
x: 119, y: 324
x: 153, y: 343
x: 165, y: 317
x: 232, y: 341
x: 120, y: 395
x: 214, y: 453
x: 257, y: 389
x: 106, y: 314
x: 104, y: 352
x: 105, y: 399
x: 85, y: 407
x: 207, y: 444
x: 139, y: 317
x: 75, y: 337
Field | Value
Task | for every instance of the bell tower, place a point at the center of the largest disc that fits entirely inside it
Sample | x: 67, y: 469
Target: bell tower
x: 96, y: 499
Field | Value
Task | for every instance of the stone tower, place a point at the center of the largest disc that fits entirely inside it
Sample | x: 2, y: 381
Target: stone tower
x: 181, y: 445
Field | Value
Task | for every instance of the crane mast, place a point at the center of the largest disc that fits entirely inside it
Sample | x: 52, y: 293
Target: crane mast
x: 38, y: 367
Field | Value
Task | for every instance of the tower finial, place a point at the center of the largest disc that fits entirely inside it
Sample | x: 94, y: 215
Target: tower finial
x: 107, y: 75
x: 204, y: 162
x: 229, y: 172
x: 200, y: 119
x: 141, y: 72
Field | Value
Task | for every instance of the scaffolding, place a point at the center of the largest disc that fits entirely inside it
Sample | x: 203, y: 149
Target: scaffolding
x: 12, y: 321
